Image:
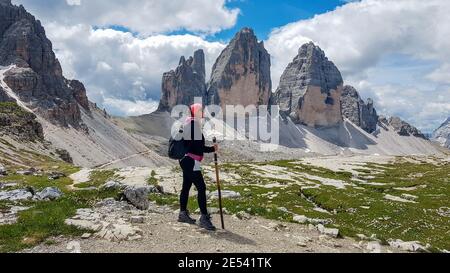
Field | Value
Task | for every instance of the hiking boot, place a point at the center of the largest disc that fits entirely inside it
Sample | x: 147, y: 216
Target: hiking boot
x: 184, y: 217
x: 205, y: 222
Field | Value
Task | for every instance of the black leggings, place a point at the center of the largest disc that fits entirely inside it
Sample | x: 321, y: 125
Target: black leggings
x: 190, y: 177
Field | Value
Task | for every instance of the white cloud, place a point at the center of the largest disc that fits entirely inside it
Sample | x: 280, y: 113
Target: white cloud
x: 441, y: 74
x: 116, y: 66
x: 130, y: 108
x: 145, y: 17
x: 360, y: 35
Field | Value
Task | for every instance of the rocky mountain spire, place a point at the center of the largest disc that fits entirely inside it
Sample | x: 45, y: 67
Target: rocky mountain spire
x: 182, y: 85
x: 241, y: 74
x: 34, y: 73
x: 310, y: 89
x: 357, y: 111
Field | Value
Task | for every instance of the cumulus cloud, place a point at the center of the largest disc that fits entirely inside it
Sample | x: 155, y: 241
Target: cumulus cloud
x: 117, y: 66
x: 144, y: 17
x: 362, y: 34
x: 131, y: 108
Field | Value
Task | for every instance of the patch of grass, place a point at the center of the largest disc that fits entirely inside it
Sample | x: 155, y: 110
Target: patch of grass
x: 152, y: 181
x: 98, y: 178
x: 44, y: 220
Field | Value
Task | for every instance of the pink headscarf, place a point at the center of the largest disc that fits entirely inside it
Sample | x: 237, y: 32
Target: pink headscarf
x: 195, y: 108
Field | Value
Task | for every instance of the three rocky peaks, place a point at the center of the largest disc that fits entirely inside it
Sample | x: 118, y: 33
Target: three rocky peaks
x: 311, y: 90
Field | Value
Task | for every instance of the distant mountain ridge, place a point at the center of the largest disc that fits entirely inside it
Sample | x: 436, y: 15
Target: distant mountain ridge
x: 442, y: 134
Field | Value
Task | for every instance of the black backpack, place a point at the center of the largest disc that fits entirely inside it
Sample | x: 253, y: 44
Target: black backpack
x: 177, y: 149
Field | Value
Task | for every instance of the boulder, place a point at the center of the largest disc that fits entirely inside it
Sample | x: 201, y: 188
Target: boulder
x: 50, y: 193
x: 30, y: 171
x: 332, y: 232
x: 310, y: 89
x: 137, y: 219
x: 138, y: 196
x: 56, y: 175
x: 113, y: 185
x: 242, y: 215
x: 301, y: 219
x: 225, y: 195
x: 407, y: 246
x: 3, y: 171
x: 16, y: 195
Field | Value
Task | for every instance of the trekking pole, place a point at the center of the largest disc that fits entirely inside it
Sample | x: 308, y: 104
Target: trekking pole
x: 216, y: 162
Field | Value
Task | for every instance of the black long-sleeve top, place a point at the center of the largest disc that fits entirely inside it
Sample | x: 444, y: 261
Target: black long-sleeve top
x: 194, y: 140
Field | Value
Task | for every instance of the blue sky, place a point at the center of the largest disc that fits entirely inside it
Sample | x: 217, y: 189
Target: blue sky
x: 393, y: 51
x: 264, y: 15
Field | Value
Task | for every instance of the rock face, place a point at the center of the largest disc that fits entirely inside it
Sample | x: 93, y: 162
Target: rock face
x: 34, y: 74
x: 18, y: 123
x: 442, y: 134
x: 241, y: 74
x: 182, y: 85
x: 357, y: 111
x: 401, y: 127
x: 310, y: 89
x: 109, y: 220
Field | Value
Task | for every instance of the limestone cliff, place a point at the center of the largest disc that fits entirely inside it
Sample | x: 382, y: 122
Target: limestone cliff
x: 241, y: 74
x: 182, y: 85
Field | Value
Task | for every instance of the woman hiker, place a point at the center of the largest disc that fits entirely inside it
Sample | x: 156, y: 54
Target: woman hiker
x: 194, y: 142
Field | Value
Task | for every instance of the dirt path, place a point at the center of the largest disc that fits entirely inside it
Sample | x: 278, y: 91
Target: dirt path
x: 162, y: 234
x: 122, y: 159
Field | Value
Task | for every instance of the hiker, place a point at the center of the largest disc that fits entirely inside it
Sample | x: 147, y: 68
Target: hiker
x: 194, y: 142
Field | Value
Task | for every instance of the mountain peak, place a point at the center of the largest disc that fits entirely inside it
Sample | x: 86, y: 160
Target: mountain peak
x: 186, y: 82
x: 243, y: 63
x: 35, y: 74
x: 246, y: 30
x: 310, y: 89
